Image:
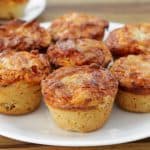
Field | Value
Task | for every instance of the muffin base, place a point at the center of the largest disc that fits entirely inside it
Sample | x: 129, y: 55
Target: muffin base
x: 133, y: 102
x: 19, y: 98
x: 83, y: 120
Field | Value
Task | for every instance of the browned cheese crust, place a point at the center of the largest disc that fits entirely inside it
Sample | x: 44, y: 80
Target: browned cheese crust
x: 20, y: 35
x: 78, y: 25
x: 130, y: 39
x: 83, y: 87
x: 16, y: 66
x: 133, y: 73
x: 79, y: 52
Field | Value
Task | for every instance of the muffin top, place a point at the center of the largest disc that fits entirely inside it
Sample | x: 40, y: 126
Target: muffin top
x: 81, y: 87
x: 133, y: 73
x: 22, y: 66
x: 20, y: 35
x: 77, y: 25
x: 79, y: 52
x: 130, y: 39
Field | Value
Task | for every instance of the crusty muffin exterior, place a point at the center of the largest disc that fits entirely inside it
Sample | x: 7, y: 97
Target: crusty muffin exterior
x: 132, y: 102
x: 80, y: 98
x: 10, y: 9
x: 130, y: 39
x: 20, y: 77
x: 83, y: 121
x: 79, y: 52
x: 19, y: 98
x: 23, y: 36
x: 133, y: 73
x: 78, y: 25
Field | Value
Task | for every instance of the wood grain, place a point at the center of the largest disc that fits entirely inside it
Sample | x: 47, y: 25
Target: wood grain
x: 16, y: 145
x: 125, y: 11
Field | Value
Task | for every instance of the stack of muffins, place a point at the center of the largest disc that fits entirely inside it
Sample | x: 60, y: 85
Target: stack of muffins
x: 68, y: 64
x: 131, y: 45
x: 22, y: 67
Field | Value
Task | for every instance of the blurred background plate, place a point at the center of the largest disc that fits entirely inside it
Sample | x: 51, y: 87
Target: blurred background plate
x: 34, y: 9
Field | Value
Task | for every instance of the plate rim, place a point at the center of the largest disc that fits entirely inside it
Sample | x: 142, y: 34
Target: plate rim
x: 77, y: 144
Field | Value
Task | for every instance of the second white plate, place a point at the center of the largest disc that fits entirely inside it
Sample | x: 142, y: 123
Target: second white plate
x: 34, y: 9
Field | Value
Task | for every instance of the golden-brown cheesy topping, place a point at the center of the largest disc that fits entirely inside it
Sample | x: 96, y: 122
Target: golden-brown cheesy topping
x: 79, y: 52
x: 81, y: 87
x: 20, y: 35
x: 77, y: 25
x: 133, y: 73
x: 22, y: 66
x: 130, y: 39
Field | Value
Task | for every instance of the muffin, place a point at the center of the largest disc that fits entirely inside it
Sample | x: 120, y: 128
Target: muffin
x: 80, y: 98
x: 79, y: 52
x: 20, y: 77
x: 78, y: 25
x: 20, y: 35
x: 133, y: 73
x: 130, y: 39
x: 10, y: 9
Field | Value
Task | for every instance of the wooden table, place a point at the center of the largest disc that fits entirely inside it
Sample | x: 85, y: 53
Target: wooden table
x: 124, y: 11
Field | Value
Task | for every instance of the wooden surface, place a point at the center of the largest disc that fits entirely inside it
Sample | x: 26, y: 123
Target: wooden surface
x: 124, y: 11
x: 7, y: 144
x: 115, y: 10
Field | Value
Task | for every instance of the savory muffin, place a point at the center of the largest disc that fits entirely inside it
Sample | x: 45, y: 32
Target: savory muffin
x: 10, y: 9
x: 79, y: 52
x: 21, y: 35
x: 20, y: 77
x: 133, y: 73
x: 80, y: 98
x: 130, y: 39
x: 78, y: 25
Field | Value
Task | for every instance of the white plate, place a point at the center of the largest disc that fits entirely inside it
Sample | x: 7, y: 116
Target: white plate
x: 38, y: 127
x: 34, y: 9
